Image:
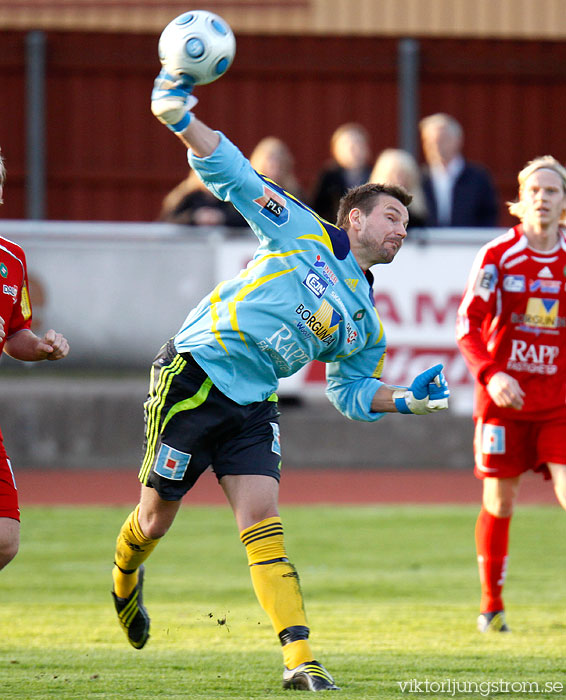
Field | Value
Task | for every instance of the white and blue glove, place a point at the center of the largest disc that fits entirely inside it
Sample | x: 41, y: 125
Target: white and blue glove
x: 171, y: 101
x: 428, y: 393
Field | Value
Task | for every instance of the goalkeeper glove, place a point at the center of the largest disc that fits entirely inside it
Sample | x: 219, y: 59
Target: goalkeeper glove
x: 171, y: 101
x: 428, y: 393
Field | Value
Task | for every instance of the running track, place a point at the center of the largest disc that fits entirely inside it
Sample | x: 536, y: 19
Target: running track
x: 355, y: 486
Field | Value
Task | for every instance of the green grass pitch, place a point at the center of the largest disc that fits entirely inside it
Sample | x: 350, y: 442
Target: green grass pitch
x: 391, y: 595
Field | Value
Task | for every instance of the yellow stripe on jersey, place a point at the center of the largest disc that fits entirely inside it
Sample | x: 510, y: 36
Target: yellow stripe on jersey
x: 323, y: 238
x: 380, y: 336
x: 214, y: 300
x: 215, y: 297
x: 269, y: 256
x: 242, y: 294
x: 158, y: 389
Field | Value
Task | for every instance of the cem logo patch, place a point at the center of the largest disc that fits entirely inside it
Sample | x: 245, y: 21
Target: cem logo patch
x: 3, y: 270
x: 360, y: 313
x: 315, y: 283
x: 514, y: 283
x: 273, y: 206
x: 171, y: 463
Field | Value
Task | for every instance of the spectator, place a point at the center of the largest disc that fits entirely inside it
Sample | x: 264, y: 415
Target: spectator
x: 458, y: 193
x: 349, y: 167
x: 190, y: 203
x: 397, y: 167
x: 272, y: 157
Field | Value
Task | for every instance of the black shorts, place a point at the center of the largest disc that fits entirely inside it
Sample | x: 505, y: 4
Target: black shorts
x: 191, y: 425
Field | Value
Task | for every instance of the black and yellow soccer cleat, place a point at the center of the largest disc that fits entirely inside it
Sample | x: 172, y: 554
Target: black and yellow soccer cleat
x: 132, y: 615
x: 308, y: 676
x: 493, y: 622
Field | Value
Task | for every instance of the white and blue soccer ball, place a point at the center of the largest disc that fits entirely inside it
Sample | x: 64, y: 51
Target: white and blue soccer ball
x: 198, y: 45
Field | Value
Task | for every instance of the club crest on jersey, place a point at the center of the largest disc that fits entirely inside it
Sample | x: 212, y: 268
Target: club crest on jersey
x: 323, y: 322
x: 273, y: 206
x: 171, y: 463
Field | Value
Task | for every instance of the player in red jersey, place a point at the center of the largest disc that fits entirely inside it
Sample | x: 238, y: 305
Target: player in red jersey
x: 512, y: 334
x: 18, y: 341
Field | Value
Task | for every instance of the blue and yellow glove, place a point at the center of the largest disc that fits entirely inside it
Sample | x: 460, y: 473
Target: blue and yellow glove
x: 172, y: 101
x: 427, y: 394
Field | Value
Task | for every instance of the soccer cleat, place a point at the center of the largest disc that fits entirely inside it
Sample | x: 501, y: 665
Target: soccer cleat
x: 493, y: 622
x: 308, y: 676
x: 132, y: 615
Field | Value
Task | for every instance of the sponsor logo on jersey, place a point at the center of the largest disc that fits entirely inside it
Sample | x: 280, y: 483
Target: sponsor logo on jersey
x: 545, y: 272
x: 352, y: 284
x: 323, y: 322
x: 283, y: 350
x: 514, y: 283
x: 493, y: 439
x: 3, y: 270
x: 360, y: 313
x: 10, y: 289
x: 351, y: 333
x: 545, y: 286
x: 533, y: 358
x: 542, y: 313
x: 273, y: 206
x: 325, y: 270
x: 315, y: 283
x: 171, y: 463
x: 515, y: 261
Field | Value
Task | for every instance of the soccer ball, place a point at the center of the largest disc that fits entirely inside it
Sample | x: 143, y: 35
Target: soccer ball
x: 198, y: 45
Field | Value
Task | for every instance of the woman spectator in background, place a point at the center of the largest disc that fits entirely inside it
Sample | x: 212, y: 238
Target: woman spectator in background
x: 273, y: 158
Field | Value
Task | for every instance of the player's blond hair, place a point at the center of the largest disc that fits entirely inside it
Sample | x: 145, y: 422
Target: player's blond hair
x: 541, y: 163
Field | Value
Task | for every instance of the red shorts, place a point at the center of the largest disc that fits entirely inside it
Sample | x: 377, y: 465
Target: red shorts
x: 506, y: 448
x: 8, y: 491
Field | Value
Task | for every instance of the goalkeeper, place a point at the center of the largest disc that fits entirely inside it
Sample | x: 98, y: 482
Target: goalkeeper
x: 306, y: 295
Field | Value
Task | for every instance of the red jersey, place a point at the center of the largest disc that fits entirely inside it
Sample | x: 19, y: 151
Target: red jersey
x: 512, y: 318
x: 15, y: 307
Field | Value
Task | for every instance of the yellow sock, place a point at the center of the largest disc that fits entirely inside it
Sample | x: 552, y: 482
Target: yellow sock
x: 132, y: 549
x: 276, y: 585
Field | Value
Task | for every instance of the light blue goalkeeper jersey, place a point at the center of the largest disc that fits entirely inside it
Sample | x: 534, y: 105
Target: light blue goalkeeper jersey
x: 302, y: 297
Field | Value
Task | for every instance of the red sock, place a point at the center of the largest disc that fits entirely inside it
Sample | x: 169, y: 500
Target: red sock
x: 492, y: 541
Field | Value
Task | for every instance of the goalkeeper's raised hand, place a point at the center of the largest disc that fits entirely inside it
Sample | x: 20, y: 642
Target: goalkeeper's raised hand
x: 172, y: 101
x: 427, y: 394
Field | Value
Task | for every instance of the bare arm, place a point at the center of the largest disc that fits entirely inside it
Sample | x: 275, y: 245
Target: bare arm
x: 200, y: 138
x: 382, y: 401
x: 28, y: 347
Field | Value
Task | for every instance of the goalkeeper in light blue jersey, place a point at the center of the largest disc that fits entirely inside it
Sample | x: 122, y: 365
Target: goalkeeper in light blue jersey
x: 306, y: 295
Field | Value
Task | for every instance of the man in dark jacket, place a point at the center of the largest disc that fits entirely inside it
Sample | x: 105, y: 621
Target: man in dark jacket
x: 458, y: 193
